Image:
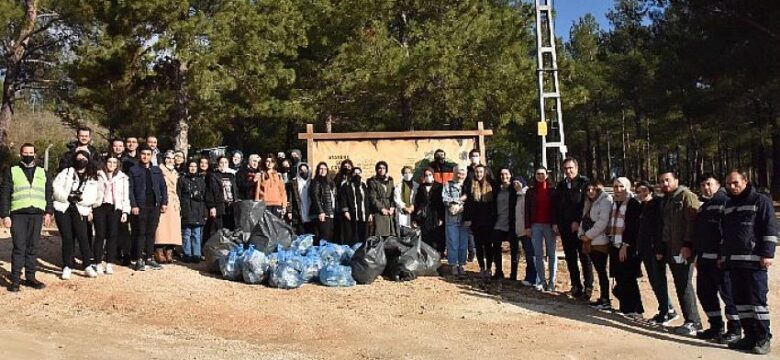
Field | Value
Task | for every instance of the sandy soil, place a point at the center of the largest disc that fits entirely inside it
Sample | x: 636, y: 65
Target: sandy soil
x: 184, y: 313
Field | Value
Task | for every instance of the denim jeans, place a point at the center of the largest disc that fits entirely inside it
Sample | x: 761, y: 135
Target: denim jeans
x: 191, y: 238
x: 542, y: 237
x: 457, y: 244
x: 530, y: 259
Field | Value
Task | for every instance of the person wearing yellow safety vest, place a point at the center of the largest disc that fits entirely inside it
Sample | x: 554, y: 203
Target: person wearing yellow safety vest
x: 25, y: 205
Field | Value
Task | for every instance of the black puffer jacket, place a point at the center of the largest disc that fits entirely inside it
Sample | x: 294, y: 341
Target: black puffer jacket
x: 192, y: 195
x: 322, y: 194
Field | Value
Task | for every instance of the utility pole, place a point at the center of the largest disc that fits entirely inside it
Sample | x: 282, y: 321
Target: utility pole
x: 550, y: 126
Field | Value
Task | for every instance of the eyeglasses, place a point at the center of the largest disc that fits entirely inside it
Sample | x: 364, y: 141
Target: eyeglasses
x: 169, y: 158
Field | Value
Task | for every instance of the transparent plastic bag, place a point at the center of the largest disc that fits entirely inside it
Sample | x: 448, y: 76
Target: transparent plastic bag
x: 285, y: 276
x: 302, y: 243
x: 254, y: 266
x: 230, y: 266
x: 335, y: 275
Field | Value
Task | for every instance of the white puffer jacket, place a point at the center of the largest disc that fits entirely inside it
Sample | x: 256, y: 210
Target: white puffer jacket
x: 65, y: 182
x: 121, y: 187
x: 600, y: 210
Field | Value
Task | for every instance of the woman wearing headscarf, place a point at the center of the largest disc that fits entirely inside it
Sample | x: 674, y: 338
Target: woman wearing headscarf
x: 404, y: 194
x: 168, y: 234
x: 593, y: 233
x: 380, y: 198
x: 625, y: 263
x: 429, y: 211
x: 353, y: 199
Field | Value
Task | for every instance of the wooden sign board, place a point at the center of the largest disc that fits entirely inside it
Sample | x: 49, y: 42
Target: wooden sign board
x: 398, y: 149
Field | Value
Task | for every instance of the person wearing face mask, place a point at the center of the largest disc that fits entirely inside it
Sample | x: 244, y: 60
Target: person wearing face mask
x: 300, y: 201
x: 191, y: 188
x: 25, y: 205
x: 168, y: 234
x: 442, y: 171
x: 593, y: 234
x: 341, y: 178
x: 625, y: 264
x: 221, y: 195
x: 353, y: 200
x: 429, y: 211
x: 247, y: 178
x: 284, y: 170
x: 236, y: 160
x: 381, y: 204
x: 403, y: 195
x: 475, y: 159
x: 271, y: 188
x: 295, y: 161
x: 711, y: 280
x: 322, y: 192
x: 76, y: 190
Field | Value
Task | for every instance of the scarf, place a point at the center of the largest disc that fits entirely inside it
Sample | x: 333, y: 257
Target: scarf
x: 617, y: 221
x: 406, y: 192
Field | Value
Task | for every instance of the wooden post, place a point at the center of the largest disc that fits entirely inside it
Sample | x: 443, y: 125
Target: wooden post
x: 309, y: 140
x: 481, y: 141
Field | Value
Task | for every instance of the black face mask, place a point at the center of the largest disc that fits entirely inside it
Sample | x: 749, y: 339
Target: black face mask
x: 285, y: 169
x: 304, y: 176
x: 356, y: 178
x: 81, y: 164
x: 440, y: 160
x: 28, y: 159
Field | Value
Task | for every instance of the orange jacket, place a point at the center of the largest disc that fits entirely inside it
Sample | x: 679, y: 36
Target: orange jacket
x: 271, y: 190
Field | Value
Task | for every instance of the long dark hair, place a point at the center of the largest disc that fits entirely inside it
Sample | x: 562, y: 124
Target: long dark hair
x: 91, y: 171
x: 319, y: 178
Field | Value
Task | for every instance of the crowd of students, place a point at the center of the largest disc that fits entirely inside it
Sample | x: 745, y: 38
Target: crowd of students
x: 139, y: 206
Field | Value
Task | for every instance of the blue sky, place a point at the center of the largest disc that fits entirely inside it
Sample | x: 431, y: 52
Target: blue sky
x: 568, y: 11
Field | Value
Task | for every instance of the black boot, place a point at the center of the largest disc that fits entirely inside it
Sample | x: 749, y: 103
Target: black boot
x: 749, y: 341
x: 715, y: 330
x: 733, y: 332
x: 513, y: 273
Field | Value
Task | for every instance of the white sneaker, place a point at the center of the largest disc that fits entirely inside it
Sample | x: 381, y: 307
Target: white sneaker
x: 99, y: 269
x: 109, y: 269
x: 90, y: 271
x: 66, y: 273
x: 527, y: 283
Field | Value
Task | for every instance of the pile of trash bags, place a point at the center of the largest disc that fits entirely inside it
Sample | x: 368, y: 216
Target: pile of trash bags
x: 264, y: 250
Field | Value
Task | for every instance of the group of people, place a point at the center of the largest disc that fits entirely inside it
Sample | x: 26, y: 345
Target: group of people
x: 139, y: 206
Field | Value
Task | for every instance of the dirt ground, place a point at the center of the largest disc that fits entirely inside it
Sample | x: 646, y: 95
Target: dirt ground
x: 183, y: 312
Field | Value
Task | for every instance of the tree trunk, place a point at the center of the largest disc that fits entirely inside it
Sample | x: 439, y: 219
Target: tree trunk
x: 180, y: 114
x: 11, y: 81
x: 775, y: 188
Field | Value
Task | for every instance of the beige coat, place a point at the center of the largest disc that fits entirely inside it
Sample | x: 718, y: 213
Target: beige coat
x: 169, y: 230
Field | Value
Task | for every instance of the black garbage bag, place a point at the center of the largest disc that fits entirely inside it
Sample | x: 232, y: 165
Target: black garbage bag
x: 270, y: 232
x: 369, y: 261
x: 419, y: 259
x: 247, y: 214
x: 219, y: 246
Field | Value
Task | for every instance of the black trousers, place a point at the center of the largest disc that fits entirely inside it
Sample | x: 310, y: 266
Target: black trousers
x: 483, y: 240
x: 682, y: 275
x: 600, y: 260
x: 626, y: 288
x: 73, y: 228
x: 498, y: 254
x: 712, y: 281
x: 656, y: 275
x: 124, y: 241
x: 25, y: 232
x: 324, y: 230
x: 144, y: 227
x: 106, y: 220
x: 354, y: 232
x: 750, y: 288
x: 572, y: 248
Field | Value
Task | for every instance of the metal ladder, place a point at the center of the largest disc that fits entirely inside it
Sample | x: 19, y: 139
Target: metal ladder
x: 549, y: 88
